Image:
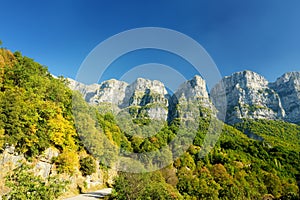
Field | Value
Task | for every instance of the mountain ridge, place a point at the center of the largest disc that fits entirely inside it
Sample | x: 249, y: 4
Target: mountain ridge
x: 248, y: 94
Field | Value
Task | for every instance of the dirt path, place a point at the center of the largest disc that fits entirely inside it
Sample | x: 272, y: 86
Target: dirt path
x: 92, y: 195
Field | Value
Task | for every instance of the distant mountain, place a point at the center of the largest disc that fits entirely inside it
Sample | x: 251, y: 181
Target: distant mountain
x: 248, y: 96
x: 288, y: 88
x: 148, y: 96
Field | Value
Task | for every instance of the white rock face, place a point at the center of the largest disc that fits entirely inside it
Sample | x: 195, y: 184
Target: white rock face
x: 243, y: 95
x: 151, y: 96
x: 9, y: 157
x: 143, y: 91
x: 192, y: 89
x: 111, y: 91
x: 44, y: 164
x: 189, y: 97
x: 87, y: 91
x: 288, y: 88
x: 249, y: 96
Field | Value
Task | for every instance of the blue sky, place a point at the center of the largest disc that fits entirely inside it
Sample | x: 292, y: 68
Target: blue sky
x: 262, y: 36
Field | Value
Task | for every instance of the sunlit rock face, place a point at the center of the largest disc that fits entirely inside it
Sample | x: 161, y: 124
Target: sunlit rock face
x: 288, y: 88
x: 192, y: 90
x: 243, y: 95
x: 149, y: 97
x: 248, y: 95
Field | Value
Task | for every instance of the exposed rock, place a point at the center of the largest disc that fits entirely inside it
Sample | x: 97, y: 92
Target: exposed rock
x: 144, y: 91
x: 193, y: 89
x: 288, y: 88
x: 44, y: 164
x: 10, y: 158
x: 42, y: 169
x: 243, y: 95
x: 249, y: 96
x: 150, y: 96
x: 157, y: 112
x: 88, y: 91
x: 97, y: 178
x: 49, y: 154
x: 190, y: 95
x: 111, y: 91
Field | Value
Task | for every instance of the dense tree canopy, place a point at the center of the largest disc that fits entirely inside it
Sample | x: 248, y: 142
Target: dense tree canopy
x: 237, y: 167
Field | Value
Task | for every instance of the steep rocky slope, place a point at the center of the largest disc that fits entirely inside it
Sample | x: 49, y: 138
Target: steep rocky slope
x: 248, y: 96
x: 146, y: 96
x: 288, y: 89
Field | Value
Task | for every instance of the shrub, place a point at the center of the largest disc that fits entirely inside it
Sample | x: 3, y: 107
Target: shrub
x: 67, y: 162
x: 25, y: 185
x: 87, y: 166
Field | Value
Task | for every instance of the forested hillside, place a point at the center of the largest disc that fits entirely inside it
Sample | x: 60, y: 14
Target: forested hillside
x: 36, y: 112
x: 35, y: 116
x: 237, y: 168
x: 35, y: 107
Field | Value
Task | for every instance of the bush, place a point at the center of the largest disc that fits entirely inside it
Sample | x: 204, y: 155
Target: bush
x: 25, y: 185
x: 87, y: 166
x: 143, y: 186
x: 67, y: 162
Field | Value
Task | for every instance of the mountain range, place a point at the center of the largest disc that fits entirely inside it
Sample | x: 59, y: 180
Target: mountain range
x: 248, y: 96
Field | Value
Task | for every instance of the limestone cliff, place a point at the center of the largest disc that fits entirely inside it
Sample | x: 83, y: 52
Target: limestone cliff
x: 288, y: 89
x: 248, y: 95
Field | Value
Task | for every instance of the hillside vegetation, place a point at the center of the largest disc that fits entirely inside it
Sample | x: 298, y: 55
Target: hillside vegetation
x: 36, y: 114
x: 236, y: 168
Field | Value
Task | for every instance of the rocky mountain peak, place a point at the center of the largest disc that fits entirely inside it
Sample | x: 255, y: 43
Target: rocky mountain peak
x: 246, y: 79
x: 288, y: 88
x: 110, y: 91
x: 249, y: 96
x: 192, y: 89
x: 141, y: 84
x: 144, y: 91
x: 292, y: 78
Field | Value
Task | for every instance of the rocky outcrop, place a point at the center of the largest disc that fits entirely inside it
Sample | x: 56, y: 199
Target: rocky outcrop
x: 10, y: 158
x: 191, y: 97
x: 44, y: 164
x: 44, y: 167
x: 143, y: 91
x: 150, y: 98
x: 249, y: 96
x: 194, y: 89
x: 288, y: 88
x: 111, y: 91
x: 242, y: 95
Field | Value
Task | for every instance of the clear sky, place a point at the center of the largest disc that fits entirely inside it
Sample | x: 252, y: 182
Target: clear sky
x: 258, y: 35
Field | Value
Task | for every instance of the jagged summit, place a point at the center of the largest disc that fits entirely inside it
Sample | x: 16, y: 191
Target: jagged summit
x: 289, y: 75
x: 247, y: 79
x: 192, y: 89
x: 288, y: 88
x: 247, y: 94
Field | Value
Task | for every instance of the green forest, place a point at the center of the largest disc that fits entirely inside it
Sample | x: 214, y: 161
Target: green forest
x: 37, y: 112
